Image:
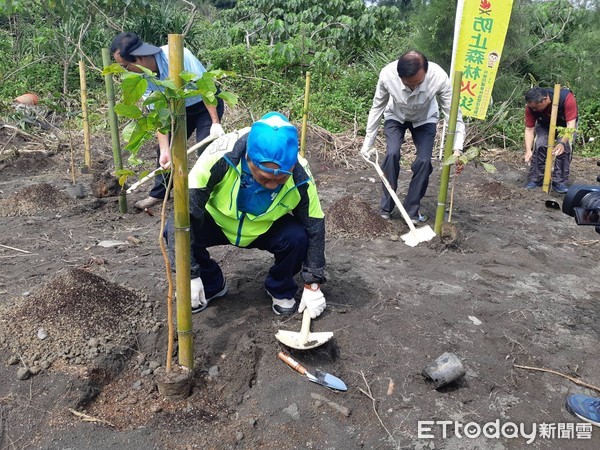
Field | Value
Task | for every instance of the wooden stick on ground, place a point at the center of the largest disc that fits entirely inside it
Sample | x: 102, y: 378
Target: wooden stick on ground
x: 370, y: 395
x: 87, y: 418
x: 574, y: 380
x: 14, y: 248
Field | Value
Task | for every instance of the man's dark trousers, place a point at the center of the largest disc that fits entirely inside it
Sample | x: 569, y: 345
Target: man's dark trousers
x: 423, y: 137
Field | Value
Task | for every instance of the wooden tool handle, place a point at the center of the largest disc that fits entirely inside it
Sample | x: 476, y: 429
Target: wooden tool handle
x: 292, y: 362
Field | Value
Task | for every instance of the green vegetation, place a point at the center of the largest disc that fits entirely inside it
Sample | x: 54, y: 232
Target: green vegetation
x: 270, y: 44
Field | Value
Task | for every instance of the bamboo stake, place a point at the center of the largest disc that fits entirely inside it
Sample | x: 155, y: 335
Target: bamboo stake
x: 114, y: 126
x: 87, y: 158
x: 443, y: 194
x: 551, y: 133
x: 181, y: 205
x: 304, y: 115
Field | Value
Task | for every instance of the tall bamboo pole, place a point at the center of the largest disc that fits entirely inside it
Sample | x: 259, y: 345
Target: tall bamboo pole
x: 87, y: 157
x: 304, y: 115
x: 179, y: 172
x: 448, y: 150
x: 551, y: 137
x: 114, y: 126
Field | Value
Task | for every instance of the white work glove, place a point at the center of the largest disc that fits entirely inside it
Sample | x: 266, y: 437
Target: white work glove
x: 313, y: 300
x: 217, y: 129
x: 199, y: 302
x: 366, y: 151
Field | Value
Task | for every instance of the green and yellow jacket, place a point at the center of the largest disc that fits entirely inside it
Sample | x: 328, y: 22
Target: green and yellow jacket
x: 214, y: 183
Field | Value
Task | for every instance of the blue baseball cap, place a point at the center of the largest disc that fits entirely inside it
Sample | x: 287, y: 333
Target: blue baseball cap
x: 273, y: 139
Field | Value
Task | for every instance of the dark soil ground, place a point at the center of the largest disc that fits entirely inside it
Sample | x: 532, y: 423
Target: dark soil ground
x: 83, y: 318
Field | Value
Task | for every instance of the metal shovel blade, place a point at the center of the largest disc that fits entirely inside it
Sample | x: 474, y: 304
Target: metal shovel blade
x: 416, y: 235
x: 303, y: 340
x: 328, y: 380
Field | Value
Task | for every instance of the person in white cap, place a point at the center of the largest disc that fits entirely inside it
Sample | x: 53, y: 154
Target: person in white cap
x: 258, y: 195
x: 130, y: 51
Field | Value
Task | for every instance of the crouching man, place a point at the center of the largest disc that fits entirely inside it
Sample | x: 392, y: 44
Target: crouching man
x: 258, y: 195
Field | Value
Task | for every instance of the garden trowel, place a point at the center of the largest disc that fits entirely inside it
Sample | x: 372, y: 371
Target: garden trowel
x: 322, y: 378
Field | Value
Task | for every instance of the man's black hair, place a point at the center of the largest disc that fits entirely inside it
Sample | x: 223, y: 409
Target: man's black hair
x: 536, y: 95
x: 126, y: 42
x: 410, y: 63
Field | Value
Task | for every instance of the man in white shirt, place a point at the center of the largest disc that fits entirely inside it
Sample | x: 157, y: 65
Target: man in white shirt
x: 407, y: 97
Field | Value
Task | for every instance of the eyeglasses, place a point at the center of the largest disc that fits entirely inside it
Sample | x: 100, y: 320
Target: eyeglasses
x: 127, y: 66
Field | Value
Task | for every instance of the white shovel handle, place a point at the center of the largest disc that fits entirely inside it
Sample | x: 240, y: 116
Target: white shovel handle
x: 386, y: 183
x: 203, y: 143
x: 305, y: 329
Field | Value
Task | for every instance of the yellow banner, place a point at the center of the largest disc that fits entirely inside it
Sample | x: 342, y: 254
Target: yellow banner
x: 480, y: 43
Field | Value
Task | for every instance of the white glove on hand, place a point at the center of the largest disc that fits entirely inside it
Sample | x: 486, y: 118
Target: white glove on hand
x: 366, y: 151
x: 199, y: 302
x: 217, y: 129
x: 313, y: 300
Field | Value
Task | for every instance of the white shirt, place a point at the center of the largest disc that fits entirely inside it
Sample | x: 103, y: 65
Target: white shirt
x: 393, y: 100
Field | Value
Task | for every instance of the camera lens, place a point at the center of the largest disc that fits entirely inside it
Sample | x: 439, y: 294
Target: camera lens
x: 591, y: 200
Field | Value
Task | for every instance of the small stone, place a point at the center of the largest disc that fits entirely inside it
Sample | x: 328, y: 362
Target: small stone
x: 141, y: 358
x: 23, y: 373
x: 155, y: 409
x: 394, y: 237
x: 239, y: 436
x: 252, y: 422
x: 45, y: 364
x: 318, y: 404
x: 42, y: 334
x: 137, y: 385
x: 93, y: 343
x: 26, y: 294
x: 292, y: 411
x: 146, y: 372
x: 35, y: 370
x: 148, y: 305
x: 213, y: 372
x: 153, y: 365
x: 12, y: 360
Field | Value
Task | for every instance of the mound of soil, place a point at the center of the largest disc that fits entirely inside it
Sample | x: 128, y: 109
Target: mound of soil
x: 354, y: 217
x: 75, y: 317
x: 33, y: 200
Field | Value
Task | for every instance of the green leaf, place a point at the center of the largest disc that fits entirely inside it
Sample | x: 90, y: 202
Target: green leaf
x: 133, y: 88
x: 113, y: 69
x: 123, y: 179
x: 230, y: 98
x: 489, y: 167
x: 206, y: 84
x: 129, y: 111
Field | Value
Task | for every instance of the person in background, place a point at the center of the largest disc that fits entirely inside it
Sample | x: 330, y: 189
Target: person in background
x: 407, y: 97
x: 258, y: 195
x: 537, y: 128
x: 129, y: 51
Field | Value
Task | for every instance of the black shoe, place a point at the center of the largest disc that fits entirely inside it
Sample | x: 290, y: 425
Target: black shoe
x: 533, y: 184
x: 561, y: 188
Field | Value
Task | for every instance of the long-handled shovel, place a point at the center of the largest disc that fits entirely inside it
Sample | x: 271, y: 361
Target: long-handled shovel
x: 415, y: 235
x: 199, y: 146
